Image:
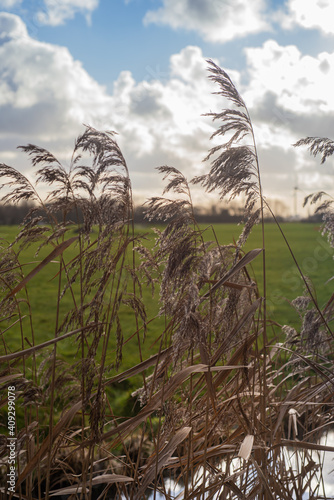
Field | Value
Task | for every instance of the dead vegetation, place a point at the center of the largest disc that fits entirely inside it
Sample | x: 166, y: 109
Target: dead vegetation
x: 221, y: 400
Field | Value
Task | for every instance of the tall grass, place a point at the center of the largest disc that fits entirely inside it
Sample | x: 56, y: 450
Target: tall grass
x: 219, y: 402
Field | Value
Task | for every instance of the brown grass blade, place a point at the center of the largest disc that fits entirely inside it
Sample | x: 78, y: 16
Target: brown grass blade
x: 164, y: 455
x: 304, y: 445
x: 264, y: 481
x: 57, y: 251
x: 58, y: 428
x: 68, y: 491
x: 248, y: 314
x: 284, y: 406
x: 30, y: 350
x: 239, y: 354
x: 9, y: 378
x: 316, y: 367
x: 111, y: 478
x: 233, y: 487
x: 205, y: 358
x: 249, y: 257
x: 158, y: 399
x: 238, y: 286
x: 140, y: 367
x: 211, y: 452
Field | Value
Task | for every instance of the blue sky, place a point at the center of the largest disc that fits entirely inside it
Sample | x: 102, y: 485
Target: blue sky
x: 138, y: 67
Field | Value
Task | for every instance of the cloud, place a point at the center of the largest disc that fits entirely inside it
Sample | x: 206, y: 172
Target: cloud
x: 215, y: 21
x: 11, y: 27
x: 46, y: 96
x: 43, y: 90
x: 9, y: 4
x: 58, y: 12
x: 299, y: 84
x: 289, y: 96
x: 165, y: 117
x: 318, y: 14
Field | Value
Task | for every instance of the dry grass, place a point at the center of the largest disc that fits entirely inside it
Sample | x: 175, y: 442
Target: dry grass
x: 220, y: 405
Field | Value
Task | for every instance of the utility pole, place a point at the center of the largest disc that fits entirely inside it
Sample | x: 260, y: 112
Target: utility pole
x: 295, y: 189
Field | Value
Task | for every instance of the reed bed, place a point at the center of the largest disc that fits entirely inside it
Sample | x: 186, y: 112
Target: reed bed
x: 227, y: 392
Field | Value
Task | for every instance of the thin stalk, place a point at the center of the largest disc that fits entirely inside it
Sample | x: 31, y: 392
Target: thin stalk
x: 53, y: 376
x: 301, y: 274
x: 263, y: 379
x: 37, y: 409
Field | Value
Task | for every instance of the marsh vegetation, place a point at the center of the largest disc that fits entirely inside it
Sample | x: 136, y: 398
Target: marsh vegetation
x: 225, y: 380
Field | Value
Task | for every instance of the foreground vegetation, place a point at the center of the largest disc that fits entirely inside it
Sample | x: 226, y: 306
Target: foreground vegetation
x: 217, y: 386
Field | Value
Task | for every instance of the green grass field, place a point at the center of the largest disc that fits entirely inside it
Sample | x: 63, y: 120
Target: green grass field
x: 283, y: 284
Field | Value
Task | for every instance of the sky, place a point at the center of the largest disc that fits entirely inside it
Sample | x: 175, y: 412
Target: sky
x: 138, y: 67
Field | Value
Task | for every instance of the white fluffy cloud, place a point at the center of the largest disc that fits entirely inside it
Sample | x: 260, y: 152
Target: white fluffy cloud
x: 11, y: 27
x: 290, y: 96
x: 46, y: 96
x: 215, y: 21
x: 317, y: 14
x: 55, y: 12
x: 38, y: 79
x: 161, y: 122
x: 9, y: 4
x: 298, y: 84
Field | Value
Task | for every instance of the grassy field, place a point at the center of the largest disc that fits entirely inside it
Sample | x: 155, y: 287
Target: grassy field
x: 283, y: 282
x: 283, y: 285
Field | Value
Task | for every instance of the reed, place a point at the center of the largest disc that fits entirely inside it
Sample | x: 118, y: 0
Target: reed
x: 220, y: 403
